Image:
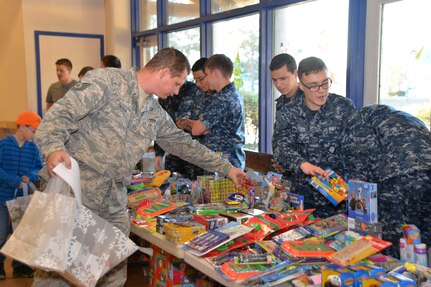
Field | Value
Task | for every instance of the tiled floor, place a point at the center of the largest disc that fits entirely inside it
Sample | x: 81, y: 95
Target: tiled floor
x: 137, y: 275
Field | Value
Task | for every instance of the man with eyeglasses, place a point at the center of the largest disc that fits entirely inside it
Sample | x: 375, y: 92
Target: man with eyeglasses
x: 183, y: 110
x: 222, y: 119
x: 308, y: 132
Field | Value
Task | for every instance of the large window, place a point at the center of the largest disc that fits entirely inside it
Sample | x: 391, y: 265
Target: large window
x: 251, y: 32
x: 147, y: 14
x: 182, y: 10
x: 190, y: 47
x: 405, y: 67
x: 241, y: 45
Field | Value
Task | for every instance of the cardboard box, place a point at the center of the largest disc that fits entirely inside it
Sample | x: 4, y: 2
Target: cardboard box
x: 183, y: 228
x: 362, y: 201
x: 211, y: 221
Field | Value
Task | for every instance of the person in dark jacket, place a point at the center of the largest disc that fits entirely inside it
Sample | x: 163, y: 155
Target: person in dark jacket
x: 20, y: 161
x: 393, y: 149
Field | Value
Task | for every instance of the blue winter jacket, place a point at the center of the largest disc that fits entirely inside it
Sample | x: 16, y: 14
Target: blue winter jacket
x: 15, y: 162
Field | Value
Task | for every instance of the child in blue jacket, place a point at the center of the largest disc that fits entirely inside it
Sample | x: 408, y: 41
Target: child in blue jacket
x: 20, y: 161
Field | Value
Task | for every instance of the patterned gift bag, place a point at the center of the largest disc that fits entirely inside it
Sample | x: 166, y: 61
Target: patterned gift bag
x: 84, y: 246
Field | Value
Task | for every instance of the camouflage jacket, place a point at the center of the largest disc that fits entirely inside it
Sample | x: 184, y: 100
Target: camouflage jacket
x: 381, y: 142
x: 107, y: 123
x: 224, y: 116
x: 301, y: 135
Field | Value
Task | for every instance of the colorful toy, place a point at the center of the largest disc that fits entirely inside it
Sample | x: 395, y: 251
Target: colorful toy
x: 335, y: 190
x: 362, y: 202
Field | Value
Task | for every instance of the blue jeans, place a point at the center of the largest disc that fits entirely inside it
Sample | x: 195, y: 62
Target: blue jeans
x: 5, y: 230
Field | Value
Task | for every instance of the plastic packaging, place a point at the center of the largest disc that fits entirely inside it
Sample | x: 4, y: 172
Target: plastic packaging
x: 403, y: 251
x: 421, y: 257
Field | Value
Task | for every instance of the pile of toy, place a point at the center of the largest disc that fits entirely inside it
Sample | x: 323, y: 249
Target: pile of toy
x: 260, y: 235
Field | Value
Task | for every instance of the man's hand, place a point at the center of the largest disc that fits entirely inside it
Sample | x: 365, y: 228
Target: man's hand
x: 158, y: 162
x: 237, y: 175
x: 56, y: 158
x: 181, y: 123
x: 277, y: 167
x: 311, y: 169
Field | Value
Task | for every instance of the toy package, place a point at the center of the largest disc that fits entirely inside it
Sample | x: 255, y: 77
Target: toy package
x: 358, y: 250
x: 362, y: 202
x: 307, y: 248
x: 212, y: 239
x: 134, y: 199
x: 328, y: 226
x: 155, y: 208
x: 335, y: 190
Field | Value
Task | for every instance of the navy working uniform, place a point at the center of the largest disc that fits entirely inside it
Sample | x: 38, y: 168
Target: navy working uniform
x: 302, y: 135
x: 282, y: 100
x: 107, y: 122
x: 179, y: 107
x: 393, y: 149
x: 224, y: 116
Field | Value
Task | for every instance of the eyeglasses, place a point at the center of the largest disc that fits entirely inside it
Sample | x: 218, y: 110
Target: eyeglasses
x: 326, y: 84
x: 32, y: 129
x: 200, y: 80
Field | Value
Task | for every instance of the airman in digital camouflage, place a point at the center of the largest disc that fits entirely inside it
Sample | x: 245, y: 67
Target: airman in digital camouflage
x: 107, y: 123
x: 308, y: 131
x: 393, y: 149
x: 223, y: 120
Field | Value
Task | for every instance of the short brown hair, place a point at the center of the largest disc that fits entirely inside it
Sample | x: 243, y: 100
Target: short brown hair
x: 170, y: 58
x: 222, y: 63
x: 65, y: 62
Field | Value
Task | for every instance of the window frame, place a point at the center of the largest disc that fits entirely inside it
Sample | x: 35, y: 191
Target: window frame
x: 356, y: 53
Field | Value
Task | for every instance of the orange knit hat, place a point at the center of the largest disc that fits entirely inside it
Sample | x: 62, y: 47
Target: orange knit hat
x: 29, y: 118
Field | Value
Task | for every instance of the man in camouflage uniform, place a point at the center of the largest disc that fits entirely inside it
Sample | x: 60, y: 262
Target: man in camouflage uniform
x: 222, y: 122
x: 107, y: 122
x: 308, y: 132
x: 393, y: 149
x: 178, y: 107
x: 284, y: 75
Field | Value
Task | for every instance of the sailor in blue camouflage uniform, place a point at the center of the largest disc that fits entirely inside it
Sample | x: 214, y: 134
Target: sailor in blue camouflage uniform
x: 308, y: 131
x: 284, y: 76
x: 178, y: 107
x: 393, y: 149
x: 223, y: 121
x: 107, y: 122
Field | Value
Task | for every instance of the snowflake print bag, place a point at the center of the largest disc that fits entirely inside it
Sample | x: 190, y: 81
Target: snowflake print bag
x: 94, y: 246
x: 43, y: 236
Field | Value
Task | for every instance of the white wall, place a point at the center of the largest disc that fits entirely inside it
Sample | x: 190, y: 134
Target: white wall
x: 110, y: 18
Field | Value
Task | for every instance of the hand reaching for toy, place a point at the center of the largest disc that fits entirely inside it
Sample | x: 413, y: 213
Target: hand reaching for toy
x: 311, y: 169
x: 237, y: 176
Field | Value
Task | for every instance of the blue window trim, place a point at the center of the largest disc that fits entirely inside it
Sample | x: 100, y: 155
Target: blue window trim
x: 265, y: 8
x: 37, y: 35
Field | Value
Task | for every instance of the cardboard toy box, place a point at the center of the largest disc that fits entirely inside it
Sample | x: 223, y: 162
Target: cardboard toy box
x: 412, y: 234
x: 362, y: 201
x: 183, y: 228
x: 211, y: 221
